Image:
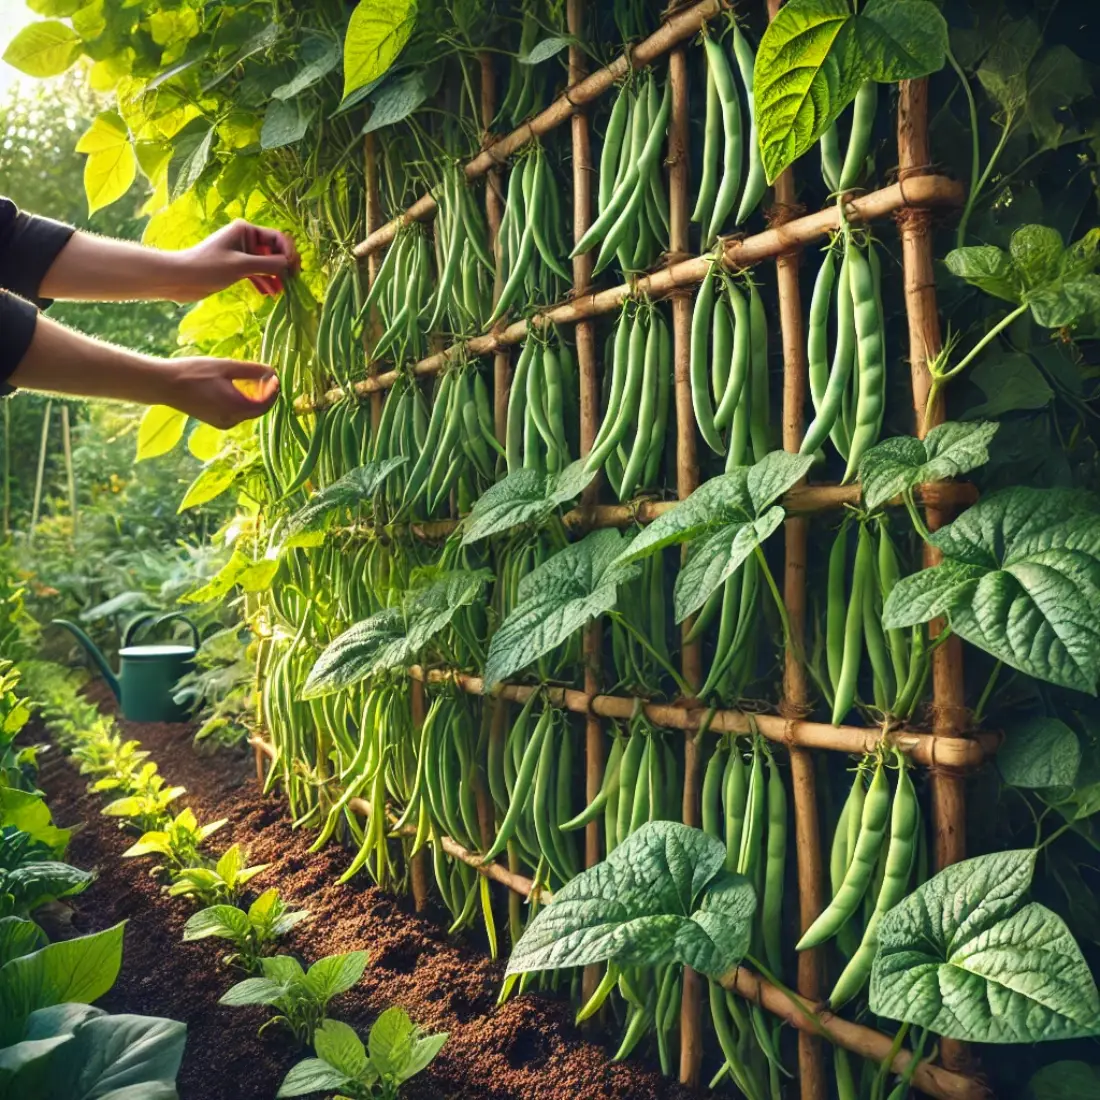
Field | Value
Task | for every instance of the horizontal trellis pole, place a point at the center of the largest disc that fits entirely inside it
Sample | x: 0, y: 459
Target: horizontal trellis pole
x: 676, y: 29
x: 874, y: 1045
x: 957, y: 754
x: 734, y: 253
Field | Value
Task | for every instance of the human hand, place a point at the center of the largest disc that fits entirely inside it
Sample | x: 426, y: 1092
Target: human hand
x: 238, y: 251
x: 220, y: 392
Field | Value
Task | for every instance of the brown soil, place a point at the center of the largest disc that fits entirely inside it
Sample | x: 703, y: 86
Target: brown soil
x: 526, y: 1049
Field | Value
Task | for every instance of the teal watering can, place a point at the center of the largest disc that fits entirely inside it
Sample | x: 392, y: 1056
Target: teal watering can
x: 147, y: 674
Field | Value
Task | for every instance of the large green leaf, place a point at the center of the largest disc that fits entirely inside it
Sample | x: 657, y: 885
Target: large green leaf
x: 391, y: 1042
x: 318, y: 58
x: 1039, y: 752
x: 81, y: 969
x: 336, y: 973
x: 558, y: 598
x: 338, y: 1044
x: 1021, y: 580
x: 103, y: 1057
x: 286, y: 122
x: 227, y: 922
x: 28, y: 812
x: 19, y: 936
x: 814, y: 56
x: 1064, y: 1081
x: 377, y: 33
x: 967, y: 958
x: 394, y: 636
x: 662, y: 896
x: 44, y: 49
x: 34, y: 884
x: 354, y: 488
x: 895, y: 465
x: 309, y: 1076
x: 397, y: 100
x: 524, y: 496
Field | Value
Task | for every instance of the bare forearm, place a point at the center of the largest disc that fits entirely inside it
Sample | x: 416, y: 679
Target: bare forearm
x: 60, y: 360
x: 98, y: 269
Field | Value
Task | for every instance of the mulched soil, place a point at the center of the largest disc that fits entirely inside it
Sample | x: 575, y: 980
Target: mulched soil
x: 528, y: 1049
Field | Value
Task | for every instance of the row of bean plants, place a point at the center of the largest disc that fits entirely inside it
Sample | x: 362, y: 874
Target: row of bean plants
x: 348, y: 581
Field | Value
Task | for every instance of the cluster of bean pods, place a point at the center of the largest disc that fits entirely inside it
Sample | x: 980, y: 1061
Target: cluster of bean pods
x: 401, y: 293
x: 544, y: 386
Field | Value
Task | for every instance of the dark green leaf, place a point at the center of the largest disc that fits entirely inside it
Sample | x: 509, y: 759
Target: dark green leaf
x: 901, y: 463
x: 1040, y: 752
x: 988, y: 268
x: 355, y: 487
x: 396, y: 101
x: 544, y: 50
x: 285, y: 123
x: 900, y: 39
x: 1065, y: 1081
x: 319, y: 57
x: 1010, y: 383
x: 965, y: 957
x: 662, y: 896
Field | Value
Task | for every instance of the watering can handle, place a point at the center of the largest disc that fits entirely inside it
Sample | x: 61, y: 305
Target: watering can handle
x: 156, y: 621
x: 135, y: 625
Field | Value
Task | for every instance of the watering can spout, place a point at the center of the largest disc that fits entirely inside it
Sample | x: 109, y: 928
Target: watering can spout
x: 94, y: 653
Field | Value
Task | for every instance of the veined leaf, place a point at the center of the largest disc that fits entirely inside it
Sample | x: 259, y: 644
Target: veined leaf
x: 319, y: 57
x: 217, y: 478
x: 377, y: 33
x: 44, y: 49
x: 311, y: 1075
x: 160, y: 430
x: 391, y: 1042
x: 355, y: 487
x: 901, y: 463
x: 337, y: 1044
x: 965, y: 957
x: 205, y: 442
x: 523, y: 496
x: 33, y: 884
x: 544, y: 50
x: 1039, y: 752
x: 336, y: 974
x: 662, y: 896
x: 285, y: 123
x: 111, y: 167
x: 397, y: 100
x: 1021, y: 580
x: 227, y: 922
x: 556, y: 599
x: 900, y: 39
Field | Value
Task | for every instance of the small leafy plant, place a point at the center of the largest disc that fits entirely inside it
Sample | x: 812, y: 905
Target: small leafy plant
x: 299, y: 997
x: 178, y: 844
x: 396, y: 1050
x: 251, y: 932
x: 218, y: 885
x: 146, y: 806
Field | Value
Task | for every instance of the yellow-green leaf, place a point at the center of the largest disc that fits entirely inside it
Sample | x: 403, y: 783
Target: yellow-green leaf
x: 111, y: 167
x: 377, y: 33
x: 161, y: 429
x: 205, y: 442
x: 209, y: 485
x: 44, y: 49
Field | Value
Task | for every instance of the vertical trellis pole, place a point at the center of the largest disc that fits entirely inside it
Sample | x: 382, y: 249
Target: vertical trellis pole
x: 796, y: 695
x: 585, y: 336
x: 5, y: 514
x: 687, y: 479
x: 949, y: 714
x: 38, y: 481
x: 70, y: 472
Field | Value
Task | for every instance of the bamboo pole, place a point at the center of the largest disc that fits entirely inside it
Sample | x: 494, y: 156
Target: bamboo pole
x: 588, y: 372
x: 734, y: 253
x: 678, y: 28
x: 40, y: 478
x: 70, y: 472
x: 5, y: 473
x: 796, y: 692
x: 950, y: 717
x: 927, y: 749
x: 796, y: 1011
x: 687, y: 481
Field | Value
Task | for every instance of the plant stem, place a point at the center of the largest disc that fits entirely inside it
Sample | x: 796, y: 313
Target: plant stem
x: 983, y: 179
x: 1056, y: 834
x: 975, y: 148
x: 979, y: 710
x: 643, y: 641
x: 780, y: 606
x: 915, y: 516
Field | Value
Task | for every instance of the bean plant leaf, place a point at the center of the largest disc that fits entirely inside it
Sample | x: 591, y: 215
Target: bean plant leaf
x: 814, y: 56
x: 524, y: 496
x: 319, y: 57
x: 285, y: 123
x: 967, y: 958
x: 336, y: 973
x: 81, y: 969
x: 1040, y: 752
x: 558, y: 598
x: 393, y: 637
x: 227, y: 922
x: 1064, y: 1081
x: 662, y: 896
x: 253, y: 991
x: 896, y: 465
x: 1021, y: 580
x: 1011, y: 383
x: 34, y: 884
x: 44, y: 49
x: 160, y: 430
x: 111, y: 167
x: 391, y: 1042
x: 337, y: 1044
x: 19, y: 936
x: 397, y: 100
x: 544, y: 50
x: 311, y: 1075
x: 356, y: 487
x: 377, y: 33
x: 1058, y: 284
x: 216, y: 478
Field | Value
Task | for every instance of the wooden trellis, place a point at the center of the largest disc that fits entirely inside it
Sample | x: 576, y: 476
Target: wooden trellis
x: 948, y: 752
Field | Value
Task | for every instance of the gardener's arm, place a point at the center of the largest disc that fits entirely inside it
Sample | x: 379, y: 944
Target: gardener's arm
x: 58, y: 360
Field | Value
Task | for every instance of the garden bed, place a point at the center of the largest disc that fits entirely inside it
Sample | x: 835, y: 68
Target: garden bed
x: 529, y: 1048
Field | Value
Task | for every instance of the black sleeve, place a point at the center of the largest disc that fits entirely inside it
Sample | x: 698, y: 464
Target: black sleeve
x: 28, y: 248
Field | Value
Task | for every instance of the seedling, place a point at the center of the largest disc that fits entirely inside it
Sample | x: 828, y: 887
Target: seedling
x: 218, y: 885
x: 252, y: 932
x: 178, y: 844
x: 146, y: 806
x: 300, y: 997
x: 397, y: 1051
